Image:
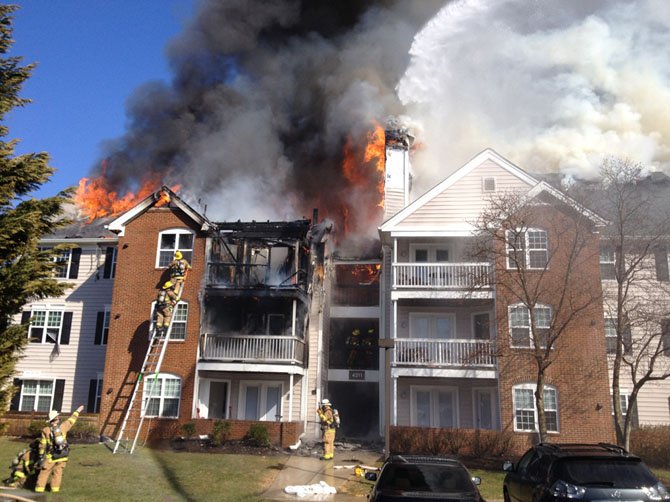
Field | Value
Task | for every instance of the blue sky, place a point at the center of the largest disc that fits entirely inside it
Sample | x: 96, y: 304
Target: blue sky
x: 91, y: 55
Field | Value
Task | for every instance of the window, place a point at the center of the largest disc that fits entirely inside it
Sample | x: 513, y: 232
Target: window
x: 260, y: 401
x: 527, y: 249
x: 94, y: 395
x: 48, y: 325
x: 110, y: 263
x: 67, y: 263
x: 520, y: 328
x: 163, y: 393
x: 170, y: 241
x: 481, y: 326
x: 665, y: 336
x: 624, y: 403
x: 525, y: 412
x: 179, y: 318
x: 434, y: 407
x: 102, y: 328
x: 488, y: 184
x: 433, y: 326
x: 429, y: 253
x: 661, y: 259
x: 607, y: 262
x: 611, y: 337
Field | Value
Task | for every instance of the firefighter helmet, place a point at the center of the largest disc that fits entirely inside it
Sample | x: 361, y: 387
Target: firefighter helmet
x: 177, y: 255
x: 167, y: 285
x: 53, y: 415
x: 325, y: 402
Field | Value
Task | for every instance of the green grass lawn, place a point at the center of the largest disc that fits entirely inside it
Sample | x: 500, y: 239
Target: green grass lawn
x: 93, y: 473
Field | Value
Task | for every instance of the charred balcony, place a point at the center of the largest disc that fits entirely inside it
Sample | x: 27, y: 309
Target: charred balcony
x: 248, y: 329
x: 253, y: 256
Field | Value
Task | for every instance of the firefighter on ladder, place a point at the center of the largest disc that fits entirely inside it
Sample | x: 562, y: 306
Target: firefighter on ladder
x: 165, y: 303
x: 178, y: 269
x: 54, y: 450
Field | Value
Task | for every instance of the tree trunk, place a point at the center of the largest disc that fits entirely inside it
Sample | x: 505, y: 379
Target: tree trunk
x: 539, y: 403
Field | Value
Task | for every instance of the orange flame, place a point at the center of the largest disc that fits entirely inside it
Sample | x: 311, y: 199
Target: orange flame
x: 376, y: 149
x: 366, y: 274
x: 96, y: 198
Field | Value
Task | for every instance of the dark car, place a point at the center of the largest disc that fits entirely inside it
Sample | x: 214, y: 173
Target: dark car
x: 580, y: 472
x: 410, y: 477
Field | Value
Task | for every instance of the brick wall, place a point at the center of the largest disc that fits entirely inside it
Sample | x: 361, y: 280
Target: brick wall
x: 579, y: 363
x: 136, y: 286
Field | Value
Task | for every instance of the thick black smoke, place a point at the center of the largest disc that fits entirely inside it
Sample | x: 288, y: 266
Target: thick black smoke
x: 263, y: 98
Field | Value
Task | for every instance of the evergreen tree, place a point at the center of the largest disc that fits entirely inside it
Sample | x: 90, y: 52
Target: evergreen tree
x: 26, y: 272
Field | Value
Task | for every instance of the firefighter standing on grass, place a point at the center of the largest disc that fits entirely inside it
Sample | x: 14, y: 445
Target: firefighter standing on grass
x: 165, y: 303
x: 54, y: 451
x: 328, y: 426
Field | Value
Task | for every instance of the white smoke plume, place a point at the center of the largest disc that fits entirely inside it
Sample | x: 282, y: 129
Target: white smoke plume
x: 551, y: 85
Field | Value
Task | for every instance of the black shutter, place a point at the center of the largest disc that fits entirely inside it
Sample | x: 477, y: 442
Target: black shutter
x: 661, y: 258
x: 92, y: 391
x: 109, y: 256
x: 67, y: 326
x: 25, y: 316
x: 99, y: 326
x: 75, y: 256
x: 16, y: 398
x: 58, y: 395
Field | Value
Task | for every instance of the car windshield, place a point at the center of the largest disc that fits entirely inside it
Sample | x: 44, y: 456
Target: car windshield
x: 426, y: 478
x: 620, y: 473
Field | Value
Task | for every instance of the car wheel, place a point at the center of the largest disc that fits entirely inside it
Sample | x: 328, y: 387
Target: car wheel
x: 506, y: 495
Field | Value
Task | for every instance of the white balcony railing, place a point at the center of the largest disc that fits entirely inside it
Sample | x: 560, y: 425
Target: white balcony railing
x: 442, y: 275
x: 431, y: 352
x: 252, y: 348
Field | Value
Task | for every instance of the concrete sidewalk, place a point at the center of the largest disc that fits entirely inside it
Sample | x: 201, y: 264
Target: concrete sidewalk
x: 309, y: 470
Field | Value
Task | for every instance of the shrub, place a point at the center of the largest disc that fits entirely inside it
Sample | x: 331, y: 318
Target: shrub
x: 35, y: 428
x: 220, y: 432
x: 258, y: 435
x: 652, y: 443
x: 83, y: 431
x: 488, y: 443
x: 4, y: 427
x: 188, y: 429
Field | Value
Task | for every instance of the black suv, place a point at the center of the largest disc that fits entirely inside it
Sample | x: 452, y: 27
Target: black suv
x: 409, y: 477
x: 580, y: 472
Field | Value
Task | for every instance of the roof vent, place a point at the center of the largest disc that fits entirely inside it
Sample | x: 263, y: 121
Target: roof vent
x: 489, y: 185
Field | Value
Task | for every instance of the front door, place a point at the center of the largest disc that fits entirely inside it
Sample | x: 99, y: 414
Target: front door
x: 218, y: 397
x: 484, y: 409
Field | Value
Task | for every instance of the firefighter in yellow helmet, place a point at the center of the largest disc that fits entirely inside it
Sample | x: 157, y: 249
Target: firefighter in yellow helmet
x: 54, y: 451
x: 178, y: 269
x: 165, y: 304
x: 328, y: 426
x: 24, y: 466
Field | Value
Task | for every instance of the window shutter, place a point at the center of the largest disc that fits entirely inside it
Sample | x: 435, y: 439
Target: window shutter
x: 67, y: 326
x: 661, y: 258
x: 75, y: 256
x: 58, y: 395
x: 16, y: 398
x: 92, y: 388
x: 25, y: 316
x: 99, y: 326
x: 109, y: 256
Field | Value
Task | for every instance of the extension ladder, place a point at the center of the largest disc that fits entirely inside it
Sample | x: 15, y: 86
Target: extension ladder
x: 131, y: 426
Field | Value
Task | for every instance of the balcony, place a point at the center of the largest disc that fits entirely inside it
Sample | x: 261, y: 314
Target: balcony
x: 456, y: 276
x: 252, y: 349
x: 432, y: 353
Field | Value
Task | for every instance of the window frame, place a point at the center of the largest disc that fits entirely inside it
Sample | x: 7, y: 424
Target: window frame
x: 525, y: 248
x: 262, y: 404
x: 607, y: 258
x: 180, y: 303
x: 511, y: 327
x: 434, y: 391
x: 610, y: 334
x: 37, y: 395
x: 431, y: 252
x: 665, y: 337
x: 186, y: 252
x: 47, y: 309
x: 531, y: 387
x: 433, y: 318
x: 162, y: 397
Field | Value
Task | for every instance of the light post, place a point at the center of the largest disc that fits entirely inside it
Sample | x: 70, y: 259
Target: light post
x: 387, y: 344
